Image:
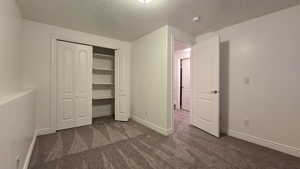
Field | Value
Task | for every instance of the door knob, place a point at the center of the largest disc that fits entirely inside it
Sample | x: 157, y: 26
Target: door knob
x: 214, y: 92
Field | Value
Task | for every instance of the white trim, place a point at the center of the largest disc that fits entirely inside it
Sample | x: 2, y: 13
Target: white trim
x: 53, y: 85
x: 14, y: 96
x: 169, y: 131
x: 152, y: 126
x: 170, y: 56
x: 294, y: 151
x: 30, y: 150
x: 44, y: 131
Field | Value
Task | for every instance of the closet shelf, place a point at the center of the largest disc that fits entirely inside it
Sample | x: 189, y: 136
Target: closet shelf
x: 107, y: 84
x: 103, y: 98
x: 96, y: 70
x: 103, y: 85
x: 103, y: 56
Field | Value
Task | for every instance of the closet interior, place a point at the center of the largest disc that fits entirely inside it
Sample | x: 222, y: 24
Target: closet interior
x: 103, y: 84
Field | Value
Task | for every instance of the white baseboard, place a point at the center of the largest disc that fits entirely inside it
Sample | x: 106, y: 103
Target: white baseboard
x: 224, y: 131
x: 152, y: 126
x: 169, y: 132
x: 294, y: 151
x: 44, y: 131
x: 30, y: 150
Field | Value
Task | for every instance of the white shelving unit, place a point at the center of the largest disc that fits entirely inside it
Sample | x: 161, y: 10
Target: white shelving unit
x: 102, y: 94
x: 99, y: 70
x: 103, y: 56
x: 103, y: 83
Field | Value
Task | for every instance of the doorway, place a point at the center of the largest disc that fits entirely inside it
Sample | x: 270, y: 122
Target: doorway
x: 185, y: 84
x: 199, y: 74
x: 181, y: 91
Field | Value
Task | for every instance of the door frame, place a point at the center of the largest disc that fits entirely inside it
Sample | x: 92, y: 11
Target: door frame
x: 180, y: 79
x: 176, y: 36
x: 184, y: 38
x: 53, y: 70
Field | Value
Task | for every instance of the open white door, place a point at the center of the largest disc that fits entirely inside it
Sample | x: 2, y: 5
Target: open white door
x: 205, y: 84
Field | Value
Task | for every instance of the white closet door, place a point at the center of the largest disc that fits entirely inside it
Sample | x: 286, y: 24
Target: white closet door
x: 66, y: 114
x: 74, y: 88
x: 121, y: 95
x: 83, y: 68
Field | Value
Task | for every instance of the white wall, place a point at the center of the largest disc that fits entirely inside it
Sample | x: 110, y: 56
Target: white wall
x: 17, y: 128
x: 17, y: 122
x: 264, y: 51
x: 150, y: 68
x: 36, y: 49
x: 10, y: 31
x: 182, y: 36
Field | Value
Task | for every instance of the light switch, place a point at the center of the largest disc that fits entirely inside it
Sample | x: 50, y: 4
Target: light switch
x: 247, y: 80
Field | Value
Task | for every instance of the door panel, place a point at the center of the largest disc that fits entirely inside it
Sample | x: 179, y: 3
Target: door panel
x: 83, y: 68
x: 83, y: 107
x: 67, y: 107
x: 205, y: 106
x: 74, y: 88
x: 121, y: 104
x: 84, y: 84
x: 186, y: 84
x: 205, y: 81
x: 66, y: 117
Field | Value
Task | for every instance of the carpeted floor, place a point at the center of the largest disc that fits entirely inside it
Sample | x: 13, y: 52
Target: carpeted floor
x: 108, y: 144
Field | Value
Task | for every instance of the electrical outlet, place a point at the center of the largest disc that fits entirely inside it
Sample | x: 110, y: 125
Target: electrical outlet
x: 247, y: 80
x: 246, y: 123
x: 146, y: 114
x: 18, y: 161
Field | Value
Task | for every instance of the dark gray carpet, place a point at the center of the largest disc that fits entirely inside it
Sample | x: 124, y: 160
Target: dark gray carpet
x: 108, y: 144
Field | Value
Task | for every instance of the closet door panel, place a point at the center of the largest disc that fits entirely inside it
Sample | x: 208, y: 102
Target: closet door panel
x: 66, y: 117
x: 84, y: 85
x: 121, y: 95
x: 82, y: 108
x: 84, y: 71
x: 124, y: 93
x: 67, y: 107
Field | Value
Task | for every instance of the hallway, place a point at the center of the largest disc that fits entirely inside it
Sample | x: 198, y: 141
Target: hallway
x: 108, y: 144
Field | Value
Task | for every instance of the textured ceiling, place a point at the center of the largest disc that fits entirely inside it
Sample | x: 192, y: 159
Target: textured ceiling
x: 129, y: 19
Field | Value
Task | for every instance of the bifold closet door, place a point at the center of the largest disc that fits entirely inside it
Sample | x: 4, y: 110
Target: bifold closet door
x: 74, y: 71
x: 121, y: 96
x: 83, y: 68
